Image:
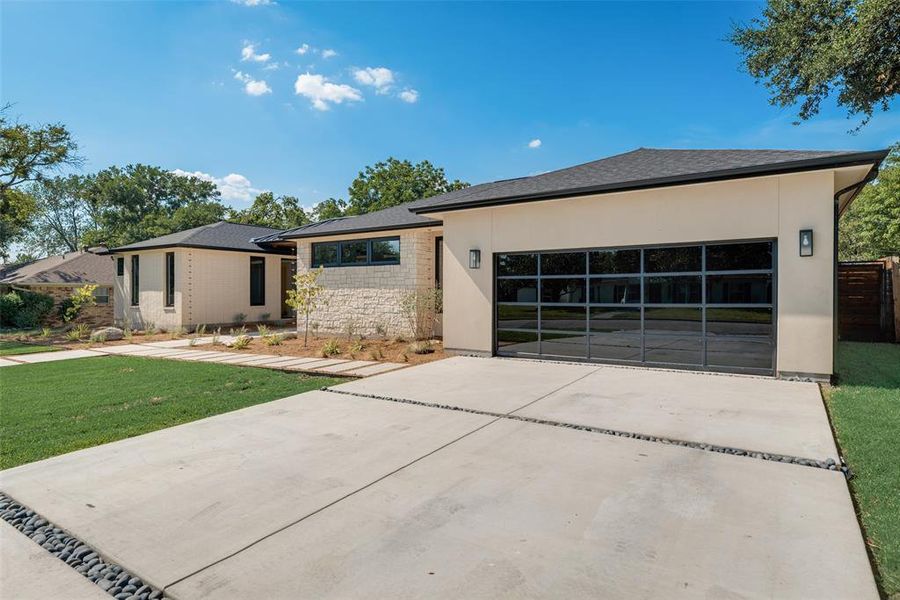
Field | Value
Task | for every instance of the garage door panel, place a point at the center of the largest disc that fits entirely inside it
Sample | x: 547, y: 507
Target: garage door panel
x: 702, y: 305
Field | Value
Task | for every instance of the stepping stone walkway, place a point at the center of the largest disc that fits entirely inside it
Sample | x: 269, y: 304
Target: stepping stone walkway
x: 184, y: 350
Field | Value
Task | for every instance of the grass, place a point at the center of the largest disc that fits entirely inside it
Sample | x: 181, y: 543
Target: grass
x: 52, y: 408
x: 10, y: 348
x: 865, y: 412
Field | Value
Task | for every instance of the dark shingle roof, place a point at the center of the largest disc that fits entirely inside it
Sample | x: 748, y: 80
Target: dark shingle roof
x: 643, y: 168
x: 76, y: 268
x: 396, y: 217
x: 216, y: 236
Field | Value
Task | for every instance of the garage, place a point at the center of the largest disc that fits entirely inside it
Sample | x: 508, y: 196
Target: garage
x: 703, y: 306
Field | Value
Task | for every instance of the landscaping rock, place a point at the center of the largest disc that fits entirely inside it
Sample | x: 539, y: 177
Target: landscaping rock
x: 108, y: 333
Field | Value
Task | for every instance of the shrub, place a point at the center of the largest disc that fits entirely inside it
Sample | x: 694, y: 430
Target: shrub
x: 241, y: 342
x: 263, y: 330
x: 420, y: 308
x: 239, y: 331
x: 176, y: 332
x: 77, y: 333
x: 23, y: 309
x: 421, y: 347
x: 98, y: 337
x: 71, y: 307
x: 331, y: 348
x: 127, y: 333
x: 46, y: 332
x: 357, y: 347
x: 264, y: 317
x: 239, y: 318
x: 273, y: 339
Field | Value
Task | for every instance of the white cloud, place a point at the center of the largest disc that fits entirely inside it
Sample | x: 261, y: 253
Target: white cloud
x: 535, y: 143
x: 303, y: 49
x: 254, y: 2
x: 409, y: 95
x: 233, y: 187
x: 252, y: 87
x: 381, y: 78
x: 248, y: 52
x: 328, y: 53
x: 321, y: 91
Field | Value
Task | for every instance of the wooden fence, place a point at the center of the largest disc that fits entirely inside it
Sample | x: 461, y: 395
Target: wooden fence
x: 869, y: 301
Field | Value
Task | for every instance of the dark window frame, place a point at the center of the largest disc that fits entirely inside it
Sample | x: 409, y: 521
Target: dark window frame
x: 135, y: 280
x: 368, y: 262
x: 258, y: 299
x: 120, y: 266
x: 170, y: 279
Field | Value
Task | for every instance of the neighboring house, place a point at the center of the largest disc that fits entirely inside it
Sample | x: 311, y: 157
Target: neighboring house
x: 720, y: 260
x: 206, y: 275
x: 58, y: 276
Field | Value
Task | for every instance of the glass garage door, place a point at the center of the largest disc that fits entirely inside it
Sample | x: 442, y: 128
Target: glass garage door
x: 704, y: 306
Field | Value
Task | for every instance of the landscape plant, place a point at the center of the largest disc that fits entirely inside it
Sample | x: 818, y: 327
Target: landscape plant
x: 239, y: 318
x: 306, y: 297
x: 241, y: 342
x: 331, y: 348
x: 23, y: 310
x: 80, y: 298
x: 420, y: 308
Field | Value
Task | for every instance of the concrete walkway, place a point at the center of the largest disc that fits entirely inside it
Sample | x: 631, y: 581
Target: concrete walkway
x: 192, y: 350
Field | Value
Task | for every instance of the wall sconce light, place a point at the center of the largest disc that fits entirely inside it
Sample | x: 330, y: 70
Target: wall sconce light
x: 806, y: 242
x: 474, y: 258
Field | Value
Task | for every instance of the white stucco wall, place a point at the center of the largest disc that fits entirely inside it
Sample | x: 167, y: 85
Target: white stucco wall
x: 766, y: 207
x: 370, y: 296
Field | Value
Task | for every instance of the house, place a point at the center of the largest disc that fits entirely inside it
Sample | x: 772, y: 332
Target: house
x: 721, y: 260
x: 213, y: 274
x: 58, y: 276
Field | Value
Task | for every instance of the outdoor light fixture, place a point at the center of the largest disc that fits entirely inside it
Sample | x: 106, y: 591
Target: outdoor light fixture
x: 474, y: 258
x: 806, y: 242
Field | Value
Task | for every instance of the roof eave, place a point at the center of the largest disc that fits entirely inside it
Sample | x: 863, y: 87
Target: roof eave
x: 373, y: 229
x: 128, y: 250
x: 861, y: 158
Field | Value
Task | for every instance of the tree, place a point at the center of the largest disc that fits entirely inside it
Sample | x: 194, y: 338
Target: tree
x: 394, y: 182
x: 306, y: 296
x: 138, y: 202
x: 281, y: 212
x: 27, y: 154
x: 870, y: 228
x: 62, y: 217
x: 807, y: 49
x: 332, y: 208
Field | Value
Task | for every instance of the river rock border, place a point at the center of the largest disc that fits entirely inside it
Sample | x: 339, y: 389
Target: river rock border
x: 113, y: 579
x: 828, y: 464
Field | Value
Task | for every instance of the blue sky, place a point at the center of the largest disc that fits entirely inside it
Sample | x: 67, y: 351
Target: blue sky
x: 220, y: 88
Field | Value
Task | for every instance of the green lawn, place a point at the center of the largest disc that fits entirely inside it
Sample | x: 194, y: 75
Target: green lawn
x: 865, y: 411
x: 53, y: 408
x: 10, y: 347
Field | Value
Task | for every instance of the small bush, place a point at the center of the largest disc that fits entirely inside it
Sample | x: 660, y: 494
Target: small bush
x: 239, y: 331
x: 46, y: 332
x: 127, y: 333
x: 77, y: 333
x: 150, y: 328
x: 273, y: 339
x: 421, y: 347
x: 263, y: 330
x: 331, y: 348
x: 239, y: 318
x: 176, y: 332
x: 357, y: 347
x: 98, y: 337
x: 241, y: 342
x: 24, y: 310
x: 264, y: 317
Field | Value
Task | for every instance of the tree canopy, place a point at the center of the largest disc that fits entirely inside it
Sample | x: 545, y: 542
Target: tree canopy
x: 804, y: 50
x: 268, y: 210
x: 870, y: 228
x: 394, y: 182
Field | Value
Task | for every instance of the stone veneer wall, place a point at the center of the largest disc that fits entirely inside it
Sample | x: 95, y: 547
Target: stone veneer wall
x: 99, y: 315
x: 370, y: 296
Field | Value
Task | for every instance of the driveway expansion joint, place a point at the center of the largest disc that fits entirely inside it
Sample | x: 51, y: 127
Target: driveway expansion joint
x: 84, y: 559
x: 828, y: 464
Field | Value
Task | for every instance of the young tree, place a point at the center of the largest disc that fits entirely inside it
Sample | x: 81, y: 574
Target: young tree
x: 394, y: 182
x: 804, y: 50
x: 281, y: 212
x: 870, y: 228
x: 306, y: 297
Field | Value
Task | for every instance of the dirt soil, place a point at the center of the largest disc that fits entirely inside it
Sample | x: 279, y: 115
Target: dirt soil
x: 389, y: 350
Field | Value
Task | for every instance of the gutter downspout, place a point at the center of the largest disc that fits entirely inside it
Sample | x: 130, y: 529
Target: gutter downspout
x: 856, y: 188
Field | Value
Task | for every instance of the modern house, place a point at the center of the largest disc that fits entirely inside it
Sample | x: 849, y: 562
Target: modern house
x: 211, y: 274
x: 721, y: 260
x: 58, y: 276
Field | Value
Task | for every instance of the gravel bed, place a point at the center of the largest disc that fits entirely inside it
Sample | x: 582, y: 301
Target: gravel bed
x: 116, y: 581
x: 828, y: 464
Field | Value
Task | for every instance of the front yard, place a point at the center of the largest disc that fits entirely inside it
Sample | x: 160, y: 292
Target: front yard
x: 57, y: 407
x: 865, y: 411
x: 13, y: 347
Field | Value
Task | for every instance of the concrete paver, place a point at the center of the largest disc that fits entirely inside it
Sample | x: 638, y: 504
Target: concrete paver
x: 28, y: 572
x: 484, y: 384
x: 5, y: 362
x: 180, y: 343
x: 518, y: 510
x: 40, y: 357
x: 376, y: 369
x: 121, y: 349
x: 347, y: 365
x: 170, y: 502
x: 753, y: 413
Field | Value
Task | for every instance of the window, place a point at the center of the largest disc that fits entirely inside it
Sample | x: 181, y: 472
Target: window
x: 135, y: 279
x: 356, y: 253
x: 170, y: 279
x: 257, y: 281
x: 101, y: 295
x: 120, y: 266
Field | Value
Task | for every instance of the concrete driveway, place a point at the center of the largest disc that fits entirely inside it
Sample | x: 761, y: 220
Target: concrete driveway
x: 464, y: 478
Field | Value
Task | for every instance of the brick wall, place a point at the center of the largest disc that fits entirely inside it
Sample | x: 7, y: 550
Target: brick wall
x: 99, y: 315
x: 370, y: 297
